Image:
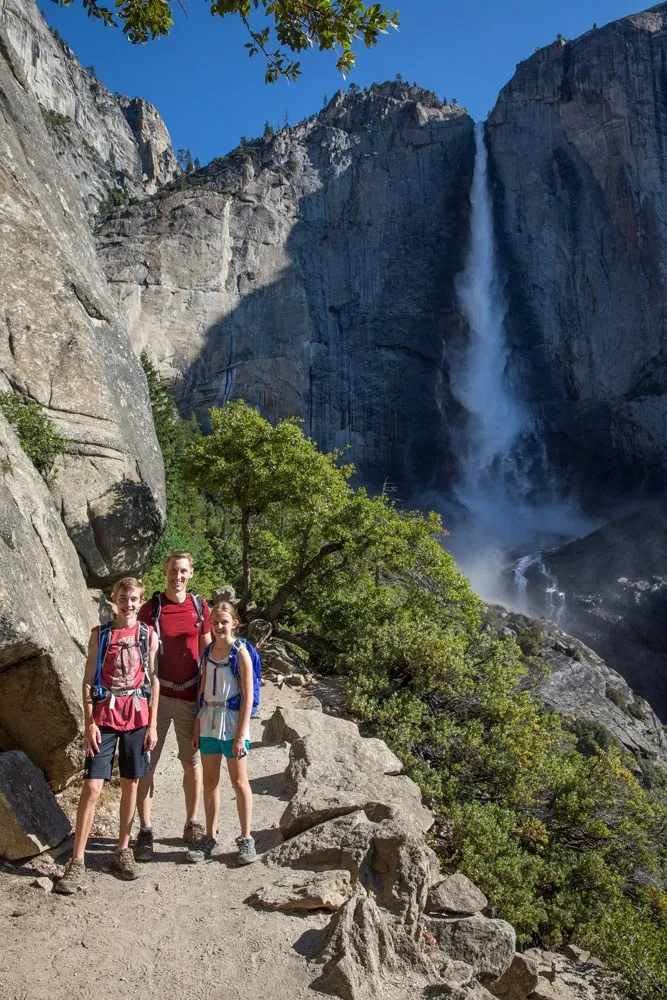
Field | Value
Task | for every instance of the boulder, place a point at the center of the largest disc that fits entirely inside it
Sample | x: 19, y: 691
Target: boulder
x: 388, y: 859
x: 258, y: 632
x: 62, y: 345
x: 45, y: 618
x: 558, y: 990
x: 30, y: 818
x: 517, y: 982
x: 455, y: 894
x: 357, y: 952
x: 226, y: 593
x: 487, y: 945
x: 321, y: 891
x: 333, y: 770
x: 456, y: 974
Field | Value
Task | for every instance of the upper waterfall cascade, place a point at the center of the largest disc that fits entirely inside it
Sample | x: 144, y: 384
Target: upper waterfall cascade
x: 506, y: 483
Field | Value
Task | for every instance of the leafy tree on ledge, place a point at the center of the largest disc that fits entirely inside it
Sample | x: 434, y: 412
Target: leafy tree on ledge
x: 295, y: 25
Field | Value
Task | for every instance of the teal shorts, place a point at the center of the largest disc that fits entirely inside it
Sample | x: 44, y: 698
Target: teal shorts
x: 208, y: 744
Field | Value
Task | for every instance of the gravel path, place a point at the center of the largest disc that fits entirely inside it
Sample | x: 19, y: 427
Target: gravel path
x: 180, y: 931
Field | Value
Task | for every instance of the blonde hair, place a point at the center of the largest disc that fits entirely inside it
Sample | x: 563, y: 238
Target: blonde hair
x: 177, y: 555
x: 226, y: 606
x: 125, y: 585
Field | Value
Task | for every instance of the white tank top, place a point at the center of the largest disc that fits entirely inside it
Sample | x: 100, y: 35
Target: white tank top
x: 215, y: 719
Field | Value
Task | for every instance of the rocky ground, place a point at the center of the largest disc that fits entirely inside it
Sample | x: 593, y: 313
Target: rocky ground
x: 340, y: 832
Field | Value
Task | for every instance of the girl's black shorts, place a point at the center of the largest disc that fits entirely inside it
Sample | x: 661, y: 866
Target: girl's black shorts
x: 133, y: 761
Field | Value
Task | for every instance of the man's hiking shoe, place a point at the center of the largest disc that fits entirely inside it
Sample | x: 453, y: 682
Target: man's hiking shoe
x: 203, y: 850
x: 124, y: 864
x: 193, y: 832
x: 143, y: 846
x: 73, y: 879
x: 247, y: 852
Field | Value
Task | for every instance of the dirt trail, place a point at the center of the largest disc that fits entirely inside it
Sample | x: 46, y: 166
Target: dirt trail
x: 180, y: 931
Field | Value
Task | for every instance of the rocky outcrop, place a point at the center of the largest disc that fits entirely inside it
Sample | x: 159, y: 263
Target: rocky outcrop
x: 577, y: 144
x: 371, y: 862
x: 574, y: 680
x: 611, y: 592
x: 30, y: 818
x: 117, y: 149
x: 45, y: 616
x: 62, y: 344
x: 312, y: 274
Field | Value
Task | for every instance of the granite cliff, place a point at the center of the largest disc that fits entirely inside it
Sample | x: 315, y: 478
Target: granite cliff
x: 577, y: 142
x: 311, y: 274
x: 117, y: 149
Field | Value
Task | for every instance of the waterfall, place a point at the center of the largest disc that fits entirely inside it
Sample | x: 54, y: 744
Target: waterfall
x: 495, y: 450
x: 554, y: 604
x: 506, y: 486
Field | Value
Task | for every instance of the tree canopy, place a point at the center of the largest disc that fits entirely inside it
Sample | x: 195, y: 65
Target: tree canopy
x: 293, y: 26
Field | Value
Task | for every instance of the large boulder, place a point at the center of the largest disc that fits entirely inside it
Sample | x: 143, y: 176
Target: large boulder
x: 318, y: 891
x: 45, y: 616
x: 30, y: 819
x: 62, y: 345
x: 358, y: 951
x: 333, y: 770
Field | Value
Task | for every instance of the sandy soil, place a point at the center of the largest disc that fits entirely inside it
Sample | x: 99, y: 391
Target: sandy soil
x: 180, y: 931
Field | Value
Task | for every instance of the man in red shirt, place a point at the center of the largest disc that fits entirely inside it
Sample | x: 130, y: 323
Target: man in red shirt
x: 184, y: 632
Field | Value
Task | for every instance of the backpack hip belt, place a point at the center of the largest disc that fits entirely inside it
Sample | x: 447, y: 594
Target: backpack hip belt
x: 139, y: 694
x: 171, y: 686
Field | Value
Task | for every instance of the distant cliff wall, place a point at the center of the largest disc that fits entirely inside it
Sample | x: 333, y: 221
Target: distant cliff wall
x: 578, y: 142
x: 311, y: 274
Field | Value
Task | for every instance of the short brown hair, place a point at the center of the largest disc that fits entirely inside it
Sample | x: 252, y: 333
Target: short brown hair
x: 126, y: 584
x: 177, y: 555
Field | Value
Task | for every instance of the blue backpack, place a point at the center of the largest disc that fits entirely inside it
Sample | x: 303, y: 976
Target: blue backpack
x: 234, y: 703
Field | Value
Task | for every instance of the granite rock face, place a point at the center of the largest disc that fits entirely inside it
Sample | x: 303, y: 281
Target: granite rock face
x: 45, y: 617
x: 582, y: 686
x: 114, y: 147
x: 577, y: 146
x: 63, y: 345
x: 311, y: 274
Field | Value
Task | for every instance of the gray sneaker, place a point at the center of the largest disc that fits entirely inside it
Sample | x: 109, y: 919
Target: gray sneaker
x: 247, y: 852
x: 73, y: 879
x: 193, y: 831
x: 203, y: 850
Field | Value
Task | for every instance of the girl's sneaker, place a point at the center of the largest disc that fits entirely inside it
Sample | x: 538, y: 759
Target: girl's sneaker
x: 125, y: 865
x: 203, y: 850
x: 73, y: 879
x: 247, y: 852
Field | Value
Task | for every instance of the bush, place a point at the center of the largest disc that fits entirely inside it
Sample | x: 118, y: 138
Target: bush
x: 39, y: 439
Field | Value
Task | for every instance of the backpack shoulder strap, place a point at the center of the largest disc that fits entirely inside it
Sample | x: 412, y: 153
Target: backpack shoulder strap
x: 199, y: 608
x: 102, y: 646
x: 143, y: 639
x: 156, y: 608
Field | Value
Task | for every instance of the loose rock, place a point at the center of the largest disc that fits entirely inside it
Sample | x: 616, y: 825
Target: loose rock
x: 455, y: 894
x: 30, y: 819
x: 487, y: 945
x: 518, y: 981
x: 323, y: 891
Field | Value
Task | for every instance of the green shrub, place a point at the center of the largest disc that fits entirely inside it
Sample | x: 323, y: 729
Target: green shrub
x: 39, y: 439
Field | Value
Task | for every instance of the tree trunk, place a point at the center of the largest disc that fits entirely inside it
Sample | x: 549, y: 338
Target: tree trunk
x: 276, y: 605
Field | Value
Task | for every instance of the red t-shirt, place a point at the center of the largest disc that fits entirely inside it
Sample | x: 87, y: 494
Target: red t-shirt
x: 179, y: 633
x: 122, y: 669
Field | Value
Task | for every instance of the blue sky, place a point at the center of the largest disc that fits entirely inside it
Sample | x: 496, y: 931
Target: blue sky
x: 210, y: 93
